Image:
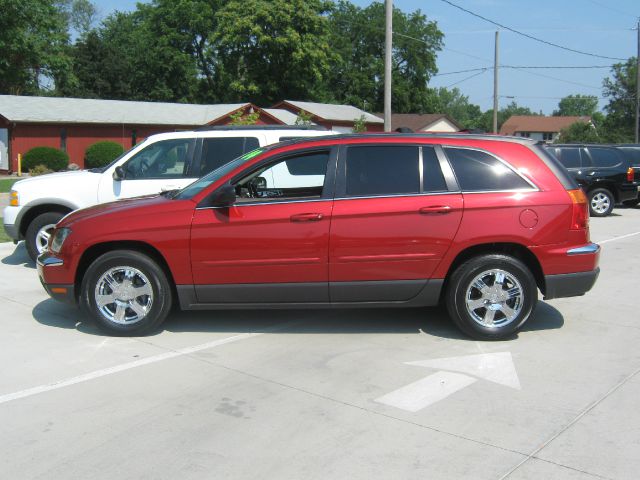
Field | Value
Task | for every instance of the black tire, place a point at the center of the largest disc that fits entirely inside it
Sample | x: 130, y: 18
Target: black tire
x: 631, y: 203
x: 601, y: 202
x: 462, y: 292
x: 146, y: 276
x: 32, y: 239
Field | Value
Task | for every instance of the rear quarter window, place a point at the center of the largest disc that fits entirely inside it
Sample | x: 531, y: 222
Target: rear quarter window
x: 478, y: 171
x: 605, y: 157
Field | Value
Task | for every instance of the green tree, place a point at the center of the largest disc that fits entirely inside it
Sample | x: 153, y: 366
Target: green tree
x: 304, y: 118
x: 268, y: 50
x: 242, y: 118
x: 127, y: 58
x: 579, y: 132
x: 621, y: 92
x: 359, y: 124
x: 33, y: 46
x: 577, y: 105
x: 458, y: 107
x: 357, y: 35
x: 80, y: 15
x: 486, y: 121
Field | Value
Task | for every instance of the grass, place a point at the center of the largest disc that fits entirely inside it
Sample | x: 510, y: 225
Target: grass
x: 6, y: 183
x: 3, y: 236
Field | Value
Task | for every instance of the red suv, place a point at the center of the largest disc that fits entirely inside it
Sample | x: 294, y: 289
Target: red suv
x: 477, y: 222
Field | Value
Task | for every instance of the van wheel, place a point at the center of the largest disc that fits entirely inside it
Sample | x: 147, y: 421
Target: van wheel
x: 490, y: 297
x: 601, y: 202
x: 126, y: 293
x: 39, y: 231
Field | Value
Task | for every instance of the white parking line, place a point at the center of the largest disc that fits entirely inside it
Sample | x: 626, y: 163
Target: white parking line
x: 618, y: 238
x: 137, y: 363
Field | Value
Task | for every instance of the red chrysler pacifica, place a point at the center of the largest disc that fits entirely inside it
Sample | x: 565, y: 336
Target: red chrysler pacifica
x: 480, y: 223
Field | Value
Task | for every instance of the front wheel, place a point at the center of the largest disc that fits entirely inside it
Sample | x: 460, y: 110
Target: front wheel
x: 601, y: 202
x: 39, y: 231
x: 490, y: 297
x: 126, y: 293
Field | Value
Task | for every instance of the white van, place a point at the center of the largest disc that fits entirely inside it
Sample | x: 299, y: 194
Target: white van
x: 162, y: 162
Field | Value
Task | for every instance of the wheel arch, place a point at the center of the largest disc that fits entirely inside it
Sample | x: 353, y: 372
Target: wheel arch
x: 515, y: 250
x: 94, y: 251
x: 29, y: 215
x: 607, y: 185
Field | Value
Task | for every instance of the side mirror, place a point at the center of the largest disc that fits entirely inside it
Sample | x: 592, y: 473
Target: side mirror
x: 225, y: 196
x: 118, y: 174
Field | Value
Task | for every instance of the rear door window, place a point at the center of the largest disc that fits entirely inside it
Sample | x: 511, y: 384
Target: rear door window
x: 382, y: 170
x: 477, y: 171
x: 219, y: 151
x: 569, y: 157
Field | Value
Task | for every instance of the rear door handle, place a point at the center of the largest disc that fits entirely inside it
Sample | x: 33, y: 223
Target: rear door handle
x: 306, y: 217
x: 435, y: 210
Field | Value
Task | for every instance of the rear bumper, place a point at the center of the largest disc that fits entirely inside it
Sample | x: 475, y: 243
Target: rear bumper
x: 569, y: 284
x: 628, y: 191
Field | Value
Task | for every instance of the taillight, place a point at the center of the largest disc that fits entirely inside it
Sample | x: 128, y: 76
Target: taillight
x: 580, y: 215
x: 630, y: 174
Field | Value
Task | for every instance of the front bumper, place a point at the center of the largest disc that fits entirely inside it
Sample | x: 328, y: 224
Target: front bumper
x: 61, y: 292
x: 11, y: 222
x: 12, y: 232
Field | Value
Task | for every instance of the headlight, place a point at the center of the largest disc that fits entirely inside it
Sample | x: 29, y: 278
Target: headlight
x: 59, y: 236
x: 14, y: 198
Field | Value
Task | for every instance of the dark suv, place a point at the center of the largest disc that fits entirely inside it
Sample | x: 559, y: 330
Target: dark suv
x: 604, y: 173
x: 632, y: 151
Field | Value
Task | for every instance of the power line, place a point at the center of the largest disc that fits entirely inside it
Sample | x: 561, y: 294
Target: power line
x: 559, y: 79
x: 609, y: 7
x: 467, y: 78
x: 526, y: 35
x: 525, y: 67
x: 461, y: 71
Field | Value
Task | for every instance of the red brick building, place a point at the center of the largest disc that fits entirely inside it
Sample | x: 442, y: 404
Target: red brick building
x: 73, y: 124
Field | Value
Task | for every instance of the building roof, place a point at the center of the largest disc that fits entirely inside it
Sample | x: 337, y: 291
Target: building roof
x: 285, y: 116
x: 80, y: 110
x: 331, y: 112
x: 418, y: 121
x: 538, y: 123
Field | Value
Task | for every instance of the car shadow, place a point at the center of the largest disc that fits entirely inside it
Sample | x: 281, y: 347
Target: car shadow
x: 19, y: 257
x: 432, y: 321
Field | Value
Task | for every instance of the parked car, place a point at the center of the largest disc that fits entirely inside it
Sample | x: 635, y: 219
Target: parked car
x: 603, y: 172
x: 477, y: 222
x: 632, y: 151
x: 162, y: 162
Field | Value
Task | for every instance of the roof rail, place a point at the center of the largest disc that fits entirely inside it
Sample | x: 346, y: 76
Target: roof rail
x: 260, y: 127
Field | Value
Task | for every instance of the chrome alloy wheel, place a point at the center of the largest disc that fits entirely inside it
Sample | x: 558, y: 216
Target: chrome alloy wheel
x: 43, y: 236
x: 494, y: 298
x: 124, y: 295
x: 600, y: 203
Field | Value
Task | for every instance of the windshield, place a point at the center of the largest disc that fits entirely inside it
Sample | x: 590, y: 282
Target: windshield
x: 196, y: 187
x: 106, y: 167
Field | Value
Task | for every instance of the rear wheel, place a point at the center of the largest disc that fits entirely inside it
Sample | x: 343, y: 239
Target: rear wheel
x: 39, y: 231
x: 490, y: 297
x: 601, y: 202
x: 126, y: 293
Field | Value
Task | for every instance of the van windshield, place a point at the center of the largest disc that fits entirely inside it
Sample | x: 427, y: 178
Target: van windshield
x: 196, y: 187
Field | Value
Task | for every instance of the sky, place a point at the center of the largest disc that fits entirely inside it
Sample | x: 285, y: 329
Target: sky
x: 602, y: 27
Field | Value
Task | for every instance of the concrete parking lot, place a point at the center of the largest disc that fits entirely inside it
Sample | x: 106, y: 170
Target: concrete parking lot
x: 325, y: 394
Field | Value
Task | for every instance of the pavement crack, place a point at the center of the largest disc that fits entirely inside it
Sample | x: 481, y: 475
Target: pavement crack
x: 589, y: 408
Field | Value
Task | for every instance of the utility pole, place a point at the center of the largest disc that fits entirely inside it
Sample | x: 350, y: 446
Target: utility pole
x: 388, y: 41
x: 495, y: 88
x: 638, y: 85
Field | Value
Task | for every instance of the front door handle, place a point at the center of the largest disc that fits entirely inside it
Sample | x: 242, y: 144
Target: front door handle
x: 435, y: 210
x: 306, y: 217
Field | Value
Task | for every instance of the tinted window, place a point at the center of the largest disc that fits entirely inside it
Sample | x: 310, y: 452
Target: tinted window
x: 218, y: 151
x: 569, y: 157
x: 479, y: 171
x: 605, y: 157
x: 633, y: 154
x: 382, y: 170
x: 433, y: 180
x: 276, y: 182
x: 164, y: 159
